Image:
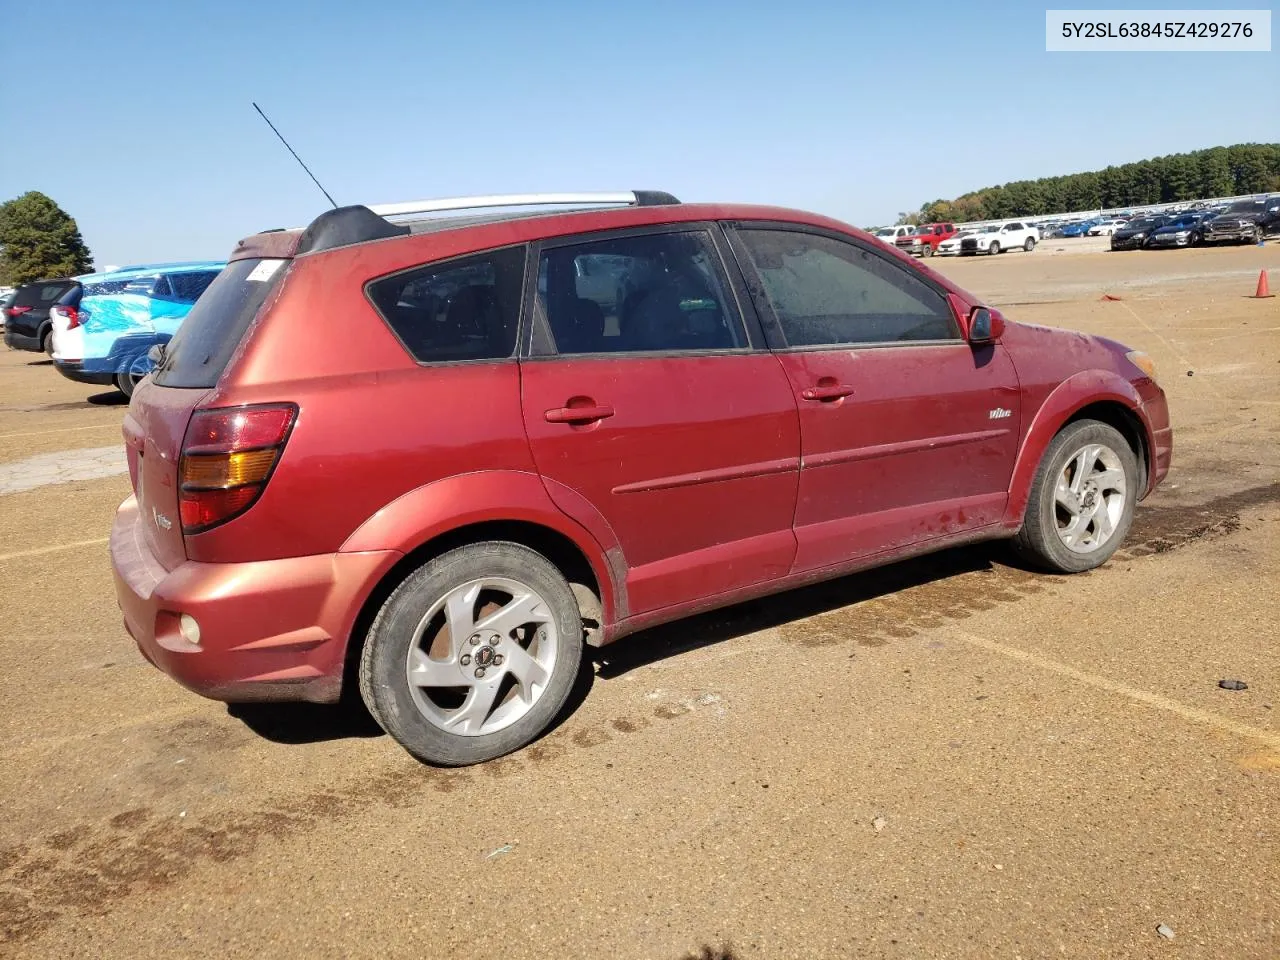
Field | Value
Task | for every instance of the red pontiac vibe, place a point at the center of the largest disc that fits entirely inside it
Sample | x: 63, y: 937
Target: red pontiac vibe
x: 442, y: 455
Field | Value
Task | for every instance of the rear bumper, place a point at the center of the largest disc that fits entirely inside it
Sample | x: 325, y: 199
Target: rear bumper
x: 20, y: 341
x: 269, y: 630
x: 74, y: 370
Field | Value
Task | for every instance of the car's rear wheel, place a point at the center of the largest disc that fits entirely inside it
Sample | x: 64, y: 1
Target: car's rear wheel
x: 1082, y: 499
x: 46, y: 343
x: 994, y: 248
x: 474, y: 655
x: 1030, y: 244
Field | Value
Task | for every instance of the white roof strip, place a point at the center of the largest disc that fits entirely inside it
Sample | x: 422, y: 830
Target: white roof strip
x: 442, y: 204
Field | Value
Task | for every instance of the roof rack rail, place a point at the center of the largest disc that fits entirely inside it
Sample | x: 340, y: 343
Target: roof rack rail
x: 638, y: 198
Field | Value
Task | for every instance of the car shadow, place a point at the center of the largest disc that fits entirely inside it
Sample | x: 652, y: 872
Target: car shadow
x: 681, y: 636
x: 112, y: 398
x: 302, y: 723
x: 298, y: 723
x: 40, y: 363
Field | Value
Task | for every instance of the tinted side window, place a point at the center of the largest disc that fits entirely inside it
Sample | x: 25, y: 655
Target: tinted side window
x: 825, y: 291
x: 187, y: 287
x: 661, y: 292
x: 459, y: 310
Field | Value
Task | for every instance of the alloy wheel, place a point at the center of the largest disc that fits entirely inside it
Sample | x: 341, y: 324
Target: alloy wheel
x: 1090, y: 497
x: 482, y: 656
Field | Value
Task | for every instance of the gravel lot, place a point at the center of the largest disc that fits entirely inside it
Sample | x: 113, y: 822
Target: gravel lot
x: 950, y: 757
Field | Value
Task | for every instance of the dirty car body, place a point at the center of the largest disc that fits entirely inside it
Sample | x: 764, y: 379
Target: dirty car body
x: 718, y: 427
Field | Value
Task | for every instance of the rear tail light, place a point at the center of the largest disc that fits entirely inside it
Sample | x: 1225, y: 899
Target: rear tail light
x: 70, y: 314
x: 228, y: 455
x: 15, y: 311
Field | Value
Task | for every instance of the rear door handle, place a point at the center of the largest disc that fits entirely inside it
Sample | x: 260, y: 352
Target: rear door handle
x: 585, y: 414
x: 826, y: 392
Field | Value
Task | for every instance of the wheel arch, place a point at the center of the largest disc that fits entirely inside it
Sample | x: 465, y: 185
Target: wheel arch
x: 490, y: 506
x: 1092, y: 395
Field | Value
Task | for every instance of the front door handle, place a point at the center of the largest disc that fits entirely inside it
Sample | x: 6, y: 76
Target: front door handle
x: 588, y: 413
x: 827, y: 391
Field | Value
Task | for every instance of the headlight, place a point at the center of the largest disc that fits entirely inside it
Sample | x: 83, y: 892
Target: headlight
x: 1142, y: 362
x: 1184, y: 233
x: 1137, y: 236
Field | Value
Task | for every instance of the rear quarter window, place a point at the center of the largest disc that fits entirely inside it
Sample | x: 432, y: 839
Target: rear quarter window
x: 464, y: 309
x: 203, y: 345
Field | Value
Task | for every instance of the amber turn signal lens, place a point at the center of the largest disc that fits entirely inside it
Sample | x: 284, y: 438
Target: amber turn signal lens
x: 219, y: 471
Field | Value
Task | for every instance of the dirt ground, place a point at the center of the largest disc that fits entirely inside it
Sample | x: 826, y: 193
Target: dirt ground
x: 947, y: 758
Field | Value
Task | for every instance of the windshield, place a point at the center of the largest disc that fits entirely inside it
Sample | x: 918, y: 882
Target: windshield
x: 1245, y: 206
x: 1143, y: 224
x: 886, y: 232
x: 992, y: 229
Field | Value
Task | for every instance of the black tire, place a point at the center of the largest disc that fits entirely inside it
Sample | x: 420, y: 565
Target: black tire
x: 1038, y: 541
x: 46, y: 342
x: 125, y: 384
x: 1195, y: 240
x: 1030, y: 244
x: 927, y: 251
x: 1257, y: 235
x: 384, y: 683
x: 994, y: 248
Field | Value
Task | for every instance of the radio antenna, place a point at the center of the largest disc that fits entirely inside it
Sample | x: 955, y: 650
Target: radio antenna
x: 295, y: 155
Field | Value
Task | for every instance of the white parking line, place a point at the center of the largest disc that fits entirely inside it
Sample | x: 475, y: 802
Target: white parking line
x: 35, y: 552
x: 1194, y: 714
x: 65, y: 466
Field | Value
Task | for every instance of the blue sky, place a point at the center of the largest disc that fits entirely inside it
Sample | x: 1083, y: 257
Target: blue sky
x: 136, y: 116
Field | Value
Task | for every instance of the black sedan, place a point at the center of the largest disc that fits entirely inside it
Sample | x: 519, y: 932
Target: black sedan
x: 1136, y: 233
x: 1185, y: 230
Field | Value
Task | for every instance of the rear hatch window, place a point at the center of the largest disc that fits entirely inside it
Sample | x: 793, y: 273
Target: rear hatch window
x: 41, y: 294
x: 200, y: 350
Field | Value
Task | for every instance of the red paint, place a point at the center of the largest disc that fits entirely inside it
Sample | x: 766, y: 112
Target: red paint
x: 687, y: 482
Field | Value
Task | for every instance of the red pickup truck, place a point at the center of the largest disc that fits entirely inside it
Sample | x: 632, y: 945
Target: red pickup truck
x: 924, y: 242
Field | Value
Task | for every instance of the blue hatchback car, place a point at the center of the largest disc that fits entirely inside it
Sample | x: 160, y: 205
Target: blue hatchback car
x: 103, y: 331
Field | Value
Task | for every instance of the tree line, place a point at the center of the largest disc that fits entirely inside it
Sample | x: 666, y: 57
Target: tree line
x: 1216, y: 172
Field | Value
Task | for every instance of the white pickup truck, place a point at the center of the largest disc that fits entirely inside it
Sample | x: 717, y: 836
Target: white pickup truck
x: 1000, y: 238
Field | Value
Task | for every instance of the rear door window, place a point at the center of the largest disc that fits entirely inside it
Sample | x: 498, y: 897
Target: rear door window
x: 641, y: 294
x: 200, y: 350
x: 465, y: 309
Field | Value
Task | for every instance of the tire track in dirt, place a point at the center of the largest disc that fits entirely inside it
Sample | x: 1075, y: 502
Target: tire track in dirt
x: 87, y: 869
x: 901, y: 615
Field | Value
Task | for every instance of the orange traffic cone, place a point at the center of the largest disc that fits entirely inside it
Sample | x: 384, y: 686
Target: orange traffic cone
x: 1264, y: 288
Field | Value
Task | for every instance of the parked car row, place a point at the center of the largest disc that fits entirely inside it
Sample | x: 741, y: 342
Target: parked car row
x: 99, y: 328
x: 944, y: 239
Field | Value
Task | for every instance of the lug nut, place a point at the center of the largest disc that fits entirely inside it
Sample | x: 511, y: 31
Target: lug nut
x: 497, y: 660
x: 466, y: 659
x: 475, y: 639
x: 479, y: 672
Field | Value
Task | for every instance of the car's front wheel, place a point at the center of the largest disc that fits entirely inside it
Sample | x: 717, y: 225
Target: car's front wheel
x: 994, y: 248
x: 474, y: 655
x: 1082, y: 499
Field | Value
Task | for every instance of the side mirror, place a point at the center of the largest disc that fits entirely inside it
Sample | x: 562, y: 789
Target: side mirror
x: 985, y: 326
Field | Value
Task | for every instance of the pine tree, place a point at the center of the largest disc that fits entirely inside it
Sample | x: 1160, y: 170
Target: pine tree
x: 39, y: 241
